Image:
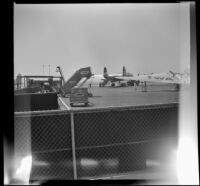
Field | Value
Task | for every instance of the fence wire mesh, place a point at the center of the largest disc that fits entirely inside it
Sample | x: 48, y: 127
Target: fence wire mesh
x: 49, y: 139
x: 121, y: 135
x: 106, y: 160
x: 22, y: 133
x: 107, y: 141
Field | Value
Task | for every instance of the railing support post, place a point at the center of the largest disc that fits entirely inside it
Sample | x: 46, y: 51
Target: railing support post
x: 73, y: 144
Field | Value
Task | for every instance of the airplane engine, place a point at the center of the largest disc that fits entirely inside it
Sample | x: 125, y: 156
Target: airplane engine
x: 123, y: 84
x: 130, y: 83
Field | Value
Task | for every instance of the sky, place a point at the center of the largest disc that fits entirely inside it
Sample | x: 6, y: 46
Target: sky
x: 144, y: 38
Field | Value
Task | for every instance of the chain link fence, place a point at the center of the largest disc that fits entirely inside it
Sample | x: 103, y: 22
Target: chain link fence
x: 125, y: 136
x: 95, y: 143
x: 47, y: 136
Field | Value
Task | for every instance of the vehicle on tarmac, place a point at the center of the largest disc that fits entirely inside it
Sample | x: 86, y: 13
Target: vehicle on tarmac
x: 79, y: 96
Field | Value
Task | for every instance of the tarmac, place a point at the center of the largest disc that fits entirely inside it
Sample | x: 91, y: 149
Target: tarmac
x: 105, y: 97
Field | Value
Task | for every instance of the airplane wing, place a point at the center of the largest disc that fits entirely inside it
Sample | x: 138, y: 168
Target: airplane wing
x: 151, y: 79
x: 113, y: 78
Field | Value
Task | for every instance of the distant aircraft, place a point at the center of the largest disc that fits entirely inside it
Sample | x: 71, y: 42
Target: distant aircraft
x: 169, y: 77
x: 130, y: 80
x: 114, y: 78
x: 172, y: 77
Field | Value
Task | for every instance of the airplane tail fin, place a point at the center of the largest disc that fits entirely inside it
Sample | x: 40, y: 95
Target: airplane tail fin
x: 105, y: 72
x: 124, y: 71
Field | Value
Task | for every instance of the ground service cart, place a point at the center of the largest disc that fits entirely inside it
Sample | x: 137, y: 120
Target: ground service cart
x: 79, y: 96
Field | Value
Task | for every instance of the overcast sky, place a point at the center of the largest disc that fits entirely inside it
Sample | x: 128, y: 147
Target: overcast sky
x: 143, y: 37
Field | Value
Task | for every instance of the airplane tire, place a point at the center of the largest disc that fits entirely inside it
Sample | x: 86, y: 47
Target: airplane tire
x: 90, y: 94
x: 123, y: 85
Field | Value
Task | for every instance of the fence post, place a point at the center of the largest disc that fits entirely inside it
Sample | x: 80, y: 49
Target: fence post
x: 72, y: 137
x: 73, y: 143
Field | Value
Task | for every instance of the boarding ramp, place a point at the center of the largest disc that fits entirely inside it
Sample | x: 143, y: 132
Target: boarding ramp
x: 81, y: 82
x: 75, y: 79
x: 95, y: 143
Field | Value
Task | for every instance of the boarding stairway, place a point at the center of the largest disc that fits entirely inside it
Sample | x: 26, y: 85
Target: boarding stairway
x: 77, y: 79
x: 81, y: 82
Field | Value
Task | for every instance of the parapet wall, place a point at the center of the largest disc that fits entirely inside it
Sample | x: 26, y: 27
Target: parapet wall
x: 100, y: 142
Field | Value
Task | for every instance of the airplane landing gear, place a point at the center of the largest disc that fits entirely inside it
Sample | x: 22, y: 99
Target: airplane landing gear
x: 113, y: 84
x: 144, y: 87
x: 130, y: 83
x: 101, y: 85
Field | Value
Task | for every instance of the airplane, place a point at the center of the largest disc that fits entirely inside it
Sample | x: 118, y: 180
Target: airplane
x: 177, y: 78
x: 102, y: 79
x: 130, y: 80
x: 169, y: 77
x: 123, y: 79
x: 114, y: 78
x: 185, y: 76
